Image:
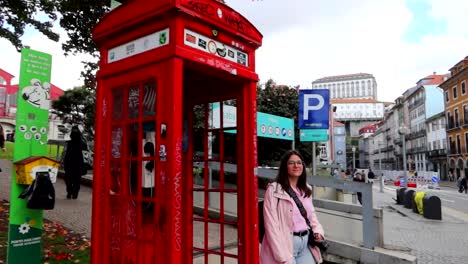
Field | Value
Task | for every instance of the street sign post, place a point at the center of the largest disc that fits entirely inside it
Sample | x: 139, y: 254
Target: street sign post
x: 314, y: 109
x: 314, y: 113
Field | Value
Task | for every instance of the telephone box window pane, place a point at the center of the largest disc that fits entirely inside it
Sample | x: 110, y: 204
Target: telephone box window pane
x: 117, y: 104
x: 130, y: 218
x: 230, y: 240
x: 130, y: 251
x: 133, y: 102
x: 115, y: 250
x: 115, y: 215
x: 131, y: 136
x: 213, y: 238
x: 148, y: 153
x: 198, y: 234
x: 116, y: 177
x: 215, y: 112
x: 132, y: 179
x: 116, y: 142
x: 148, y: 225
x: 149, y: 99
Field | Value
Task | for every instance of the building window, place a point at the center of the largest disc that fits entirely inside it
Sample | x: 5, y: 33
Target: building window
x: 447, y: 96
x: 463, y: 87
x: 455, y: 93
x: 466, y: 141
x: 457, y: 124
x: 459, y: 150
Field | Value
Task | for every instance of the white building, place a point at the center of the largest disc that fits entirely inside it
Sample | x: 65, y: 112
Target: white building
x: 359, y: 85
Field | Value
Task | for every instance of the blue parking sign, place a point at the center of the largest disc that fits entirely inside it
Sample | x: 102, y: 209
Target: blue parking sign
x: 314, y: 107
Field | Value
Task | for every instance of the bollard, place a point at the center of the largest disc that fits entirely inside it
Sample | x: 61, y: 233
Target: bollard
x: 408, y: 198
x: 400, y: 195
x: 382, y: 183
x: 432, y: 207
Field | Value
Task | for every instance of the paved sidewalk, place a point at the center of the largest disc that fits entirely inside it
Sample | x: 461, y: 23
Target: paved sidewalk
x: 431, y: 241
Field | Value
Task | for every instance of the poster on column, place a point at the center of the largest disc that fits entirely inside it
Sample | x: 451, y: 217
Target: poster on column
x: 25, y: 225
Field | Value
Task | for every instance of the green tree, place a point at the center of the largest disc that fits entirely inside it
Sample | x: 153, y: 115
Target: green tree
x: 283, y: 101
x: 76, y: 106
x: 16, y: 15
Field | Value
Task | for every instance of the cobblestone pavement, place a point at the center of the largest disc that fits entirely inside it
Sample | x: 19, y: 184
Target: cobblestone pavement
x: 431, y: 241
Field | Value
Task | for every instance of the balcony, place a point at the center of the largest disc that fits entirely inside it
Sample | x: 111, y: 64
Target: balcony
x: 416, y: 103
x: 420, y: 149
x: 417, y: 134
x: 397, y: 141
x: 453, y: 125
x: 437, y: 153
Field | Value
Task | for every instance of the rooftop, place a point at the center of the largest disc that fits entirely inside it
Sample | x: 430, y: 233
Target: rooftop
x: 344, y: 77
x: 353, y: 101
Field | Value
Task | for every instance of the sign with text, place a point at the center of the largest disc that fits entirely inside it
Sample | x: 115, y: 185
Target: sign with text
x: 32, y: 125
x: 270, y: 126
x: 314, y: 106
x: 313, y: 135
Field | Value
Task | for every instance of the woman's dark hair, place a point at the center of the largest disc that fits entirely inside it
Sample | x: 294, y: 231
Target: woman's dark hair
x: 283, y: 176
x: 75, y: 134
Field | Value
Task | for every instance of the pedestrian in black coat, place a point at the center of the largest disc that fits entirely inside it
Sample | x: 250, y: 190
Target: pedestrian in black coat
x: 73, y: 163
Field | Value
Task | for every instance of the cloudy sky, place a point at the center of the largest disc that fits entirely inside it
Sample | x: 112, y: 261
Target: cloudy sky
x: 398, y: 41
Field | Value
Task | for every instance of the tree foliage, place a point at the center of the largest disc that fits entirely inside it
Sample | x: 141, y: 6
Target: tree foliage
x: 16, y: 15
x: 76, y: 106
x: 283, y: 101
x: 78, y: 20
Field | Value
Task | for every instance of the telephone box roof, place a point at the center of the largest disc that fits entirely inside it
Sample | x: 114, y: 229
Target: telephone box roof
x: 131, y: 13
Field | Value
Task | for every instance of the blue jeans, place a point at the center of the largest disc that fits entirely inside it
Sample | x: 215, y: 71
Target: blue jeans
x: 301, y: 251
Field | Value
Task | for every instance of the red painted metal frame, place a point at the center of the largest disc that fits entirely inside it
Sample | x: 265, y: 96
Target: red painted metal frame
x: 123, y: 230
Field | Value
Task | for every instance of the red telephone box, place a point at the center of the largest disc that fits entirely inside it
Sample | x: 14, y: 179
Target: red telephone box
x: 171, y: 170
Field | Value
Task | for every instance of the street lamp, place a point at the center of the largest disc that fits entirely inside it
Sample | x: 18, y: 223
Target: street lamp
x: 354, y: 160
x: 403, y: 131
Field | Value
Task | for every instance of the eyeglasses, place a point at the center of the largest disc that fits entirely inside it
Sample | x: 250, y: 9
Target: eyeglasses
x: 297, y: 162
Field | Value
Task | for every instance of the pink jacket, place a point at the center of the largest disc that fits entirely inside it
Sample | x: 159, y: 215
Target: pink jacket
x: 277, y: 245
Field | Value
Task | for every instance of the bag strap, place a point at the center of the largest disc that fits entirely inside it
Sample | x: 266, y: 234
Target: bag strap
x: 298, y: 202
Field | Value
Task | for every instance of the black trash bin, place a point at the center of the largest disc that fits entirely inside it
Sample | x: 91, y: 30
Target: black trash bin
x: 408, y: 198
x: 432, y: 207
x: 400, y: 193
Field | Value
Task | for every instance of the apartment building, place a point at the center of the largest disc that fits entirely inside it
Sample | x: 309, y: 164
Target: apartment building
x: 425, y: 101
x: 437, y: 144
x: 456, y: 113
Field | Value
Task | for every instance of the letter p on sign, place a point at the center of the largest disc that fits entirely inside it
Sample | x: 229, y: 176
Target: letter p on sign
x: 314, y: 106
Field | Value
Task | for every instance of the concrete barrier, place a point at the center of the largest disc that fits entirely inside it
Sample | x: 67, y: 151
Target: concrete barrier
x: 340, y: 252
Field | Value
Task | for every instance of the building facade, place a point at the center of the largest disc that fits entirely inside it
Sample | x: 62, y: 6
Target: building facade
x: 456, y: 113
x: 8, y: 100
x: 437, y: 144
x: 357, y: 86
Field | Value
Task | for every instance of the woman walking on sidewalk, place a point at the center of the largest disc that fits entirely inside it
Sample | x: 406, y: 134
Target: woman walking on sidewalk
x: 73, y: 163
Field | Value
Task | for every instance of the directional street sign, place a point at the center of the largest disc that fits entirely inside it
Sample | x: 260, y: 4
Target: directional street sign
x: 313, y: 135
x: 314, y: 108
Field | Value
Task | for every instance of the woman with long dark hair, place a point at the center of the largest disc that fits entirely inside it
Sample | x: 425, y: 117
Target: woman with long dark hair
x: 286, y: 229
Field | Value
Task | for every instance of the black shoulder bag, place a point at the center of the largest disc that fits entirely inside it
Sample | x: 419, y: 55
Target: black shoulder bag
x: 322, y: 245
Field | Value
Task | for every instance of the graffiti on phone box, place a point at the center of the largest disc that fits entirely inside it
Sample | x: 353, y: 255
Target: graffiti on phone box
x: 230, y: 20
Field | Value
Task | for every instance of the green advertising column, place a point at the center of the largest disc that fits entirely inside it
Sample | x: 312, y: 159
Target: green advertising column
x: 25, y: 227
